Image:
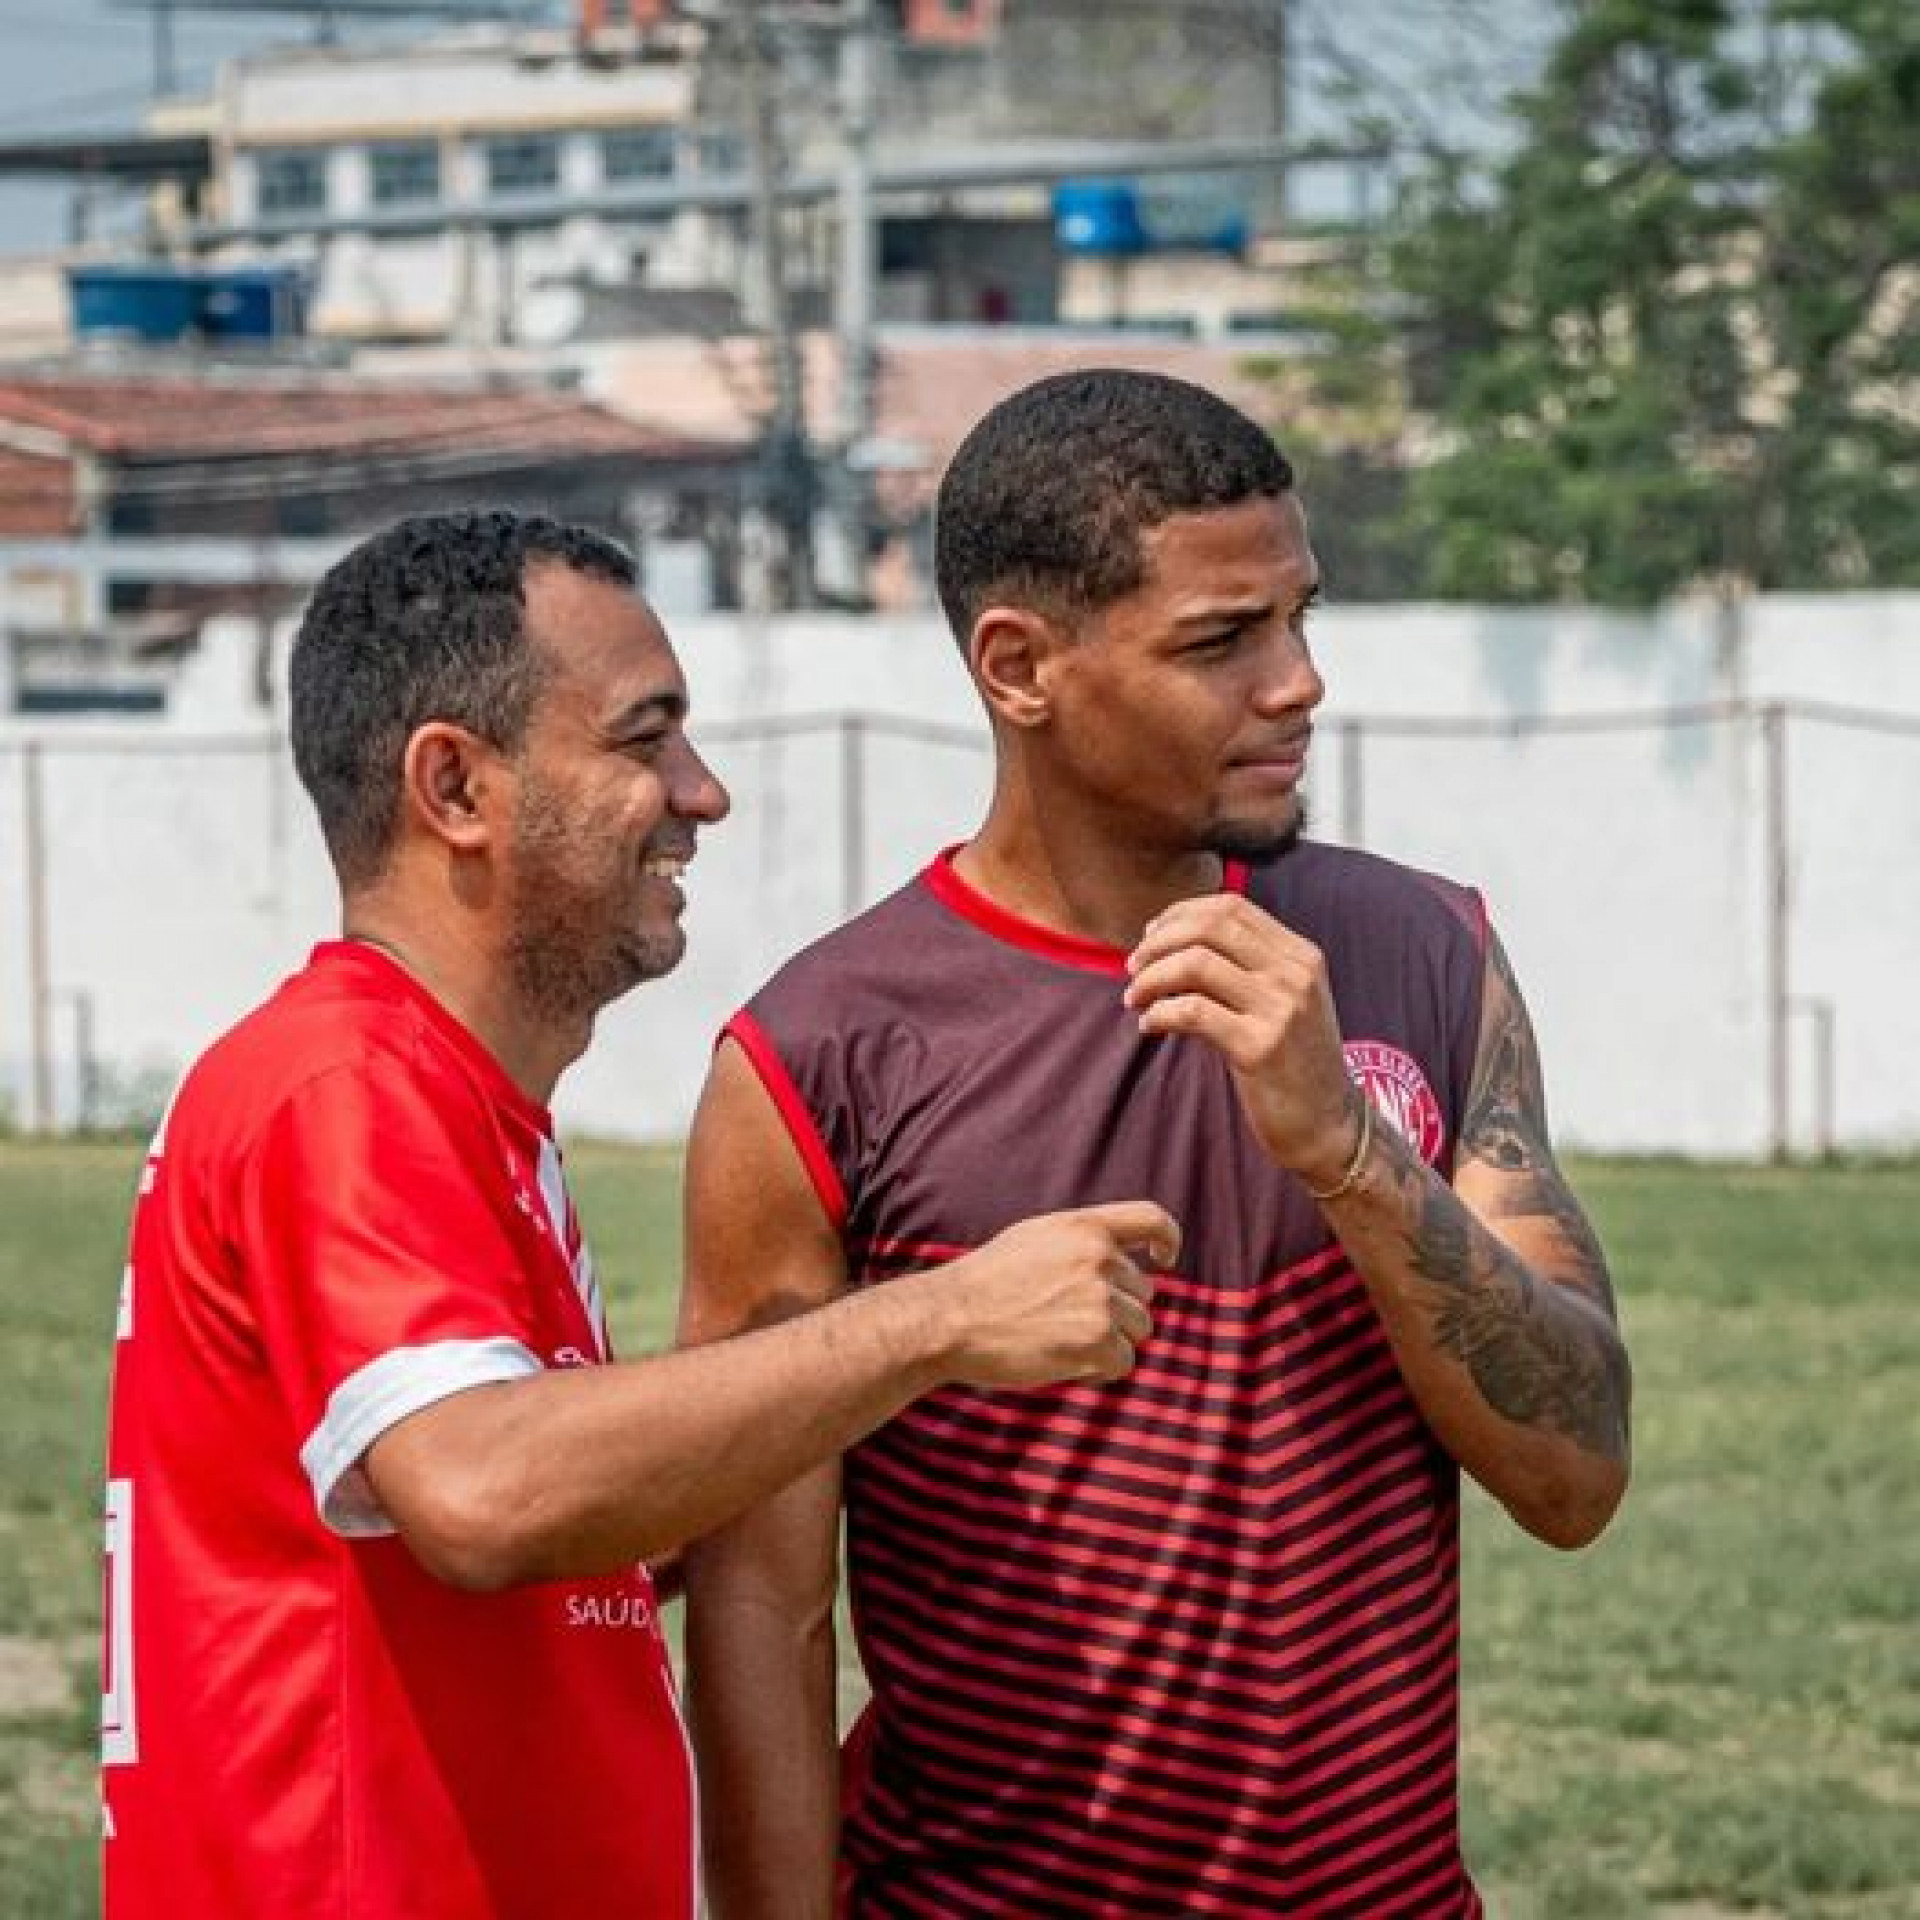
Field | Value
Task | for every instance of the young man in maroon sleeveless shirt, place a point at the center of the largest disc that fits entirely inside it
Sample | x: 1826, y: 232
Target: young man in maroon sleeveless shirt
x: 1186, y: 1643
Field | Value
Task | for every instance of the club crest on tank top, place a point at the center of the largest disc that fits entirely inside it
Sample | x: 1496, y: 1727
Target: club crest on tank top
x: 1400, y: 1093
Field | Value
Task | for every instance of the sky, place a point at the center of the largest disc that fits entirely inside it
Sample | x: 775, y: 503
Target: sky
x: 89, y: 66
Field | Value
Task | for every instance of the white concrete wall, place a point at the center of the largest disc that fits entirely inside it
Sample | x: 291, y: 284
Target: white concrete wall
x: 1626, y: 867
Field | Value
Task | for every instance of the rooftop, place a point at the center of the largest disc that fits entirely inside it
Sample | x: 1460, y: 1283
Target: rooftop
x: 229, y: 413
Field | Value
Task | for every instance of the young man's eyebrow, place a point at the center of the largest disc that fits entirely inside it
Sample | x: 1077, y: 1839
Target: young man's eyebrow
x: 1226, y: 613
x: 1237, y: 613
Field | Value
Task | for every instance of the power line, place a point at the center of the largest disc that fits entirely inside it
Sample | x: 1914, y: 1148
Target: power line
x: 321, y: 10
x: 64, y: 104
x: 32, y: 18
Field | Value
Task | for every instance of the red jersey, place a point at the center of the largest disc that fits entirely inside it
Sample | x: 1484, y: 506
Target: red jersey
x: 350, y: 1213
x: 1183, y: 1644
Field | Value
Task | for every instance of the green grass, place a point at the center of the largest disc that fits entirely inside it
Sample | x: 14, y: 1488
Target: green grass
x: 1717, y: 1708
x: 1715, y: 1711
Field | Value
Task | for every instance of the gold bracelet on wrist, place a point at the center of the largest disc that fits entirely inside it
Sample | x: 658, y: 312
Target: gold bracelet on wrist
x: 1349, y: 1179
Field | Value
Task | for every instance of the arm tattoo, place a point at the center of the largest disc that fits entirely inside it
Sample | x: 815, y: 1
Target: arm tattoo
x: 1538, y: 1351
x: 1506, y: 1118
x: 1546, y: 1197
x: 1537, y: 1360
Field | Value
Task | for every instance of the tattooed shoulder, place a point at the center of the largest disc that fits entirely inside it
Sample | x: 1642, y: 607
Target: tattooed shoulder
x: 1505, y: 1123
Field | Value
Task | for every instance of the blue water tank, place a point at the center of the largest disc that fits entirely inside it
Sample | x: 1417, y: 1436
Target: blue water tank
x: 253, y: 303
x: 149, y: 301
x: 1098, y: 217
x: 1167, y: 213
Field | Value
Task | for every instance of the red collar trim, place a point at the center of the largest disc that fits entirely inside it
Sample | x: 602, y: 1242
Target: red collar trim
x: 1049, y: 943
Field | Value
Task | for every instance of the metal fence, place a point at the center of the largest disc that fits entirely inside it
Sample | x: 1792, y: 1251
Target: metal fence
x: 1709, y: 904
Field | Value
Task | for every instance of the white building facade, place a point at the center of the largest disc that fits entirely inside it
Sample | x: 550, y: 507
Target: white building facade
x: 467, y: 159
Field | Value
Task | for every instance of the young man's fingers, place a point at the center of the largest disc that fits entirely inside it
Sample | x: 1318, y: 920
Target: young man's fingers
x: 1234, y: 929
x: 1198, y: 970
x: 1239, y: 1037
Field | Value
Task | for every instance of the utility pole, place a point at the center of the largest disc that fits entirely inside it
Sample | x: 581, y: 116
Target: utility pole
x: 1271, y: 24
x: 165, y: 78
x: 1779, y: 954
x: 786, y: 458
x: 33, y: 828
x: 854, y: 295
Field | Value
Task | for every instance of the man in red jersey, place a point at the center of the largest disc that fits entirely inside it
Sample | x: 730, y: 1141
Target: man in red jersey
x: 1184, y: 1644
x: 380, y: 1636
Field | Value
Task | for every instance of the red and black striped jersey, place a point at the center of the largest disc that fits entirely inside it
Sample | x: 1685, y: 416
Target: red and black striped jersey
x: 1185, y: 1644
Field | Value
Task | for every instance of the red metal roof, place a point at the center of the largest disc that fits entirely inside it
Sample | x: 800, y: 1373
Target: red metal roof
x: 221, y: 415
x: 36, y: 495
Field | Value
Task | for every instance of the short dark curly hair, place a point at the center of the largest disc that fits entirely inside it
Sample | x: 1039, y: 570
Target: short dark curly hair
x: 1047, y: 497
x: 425, y: 621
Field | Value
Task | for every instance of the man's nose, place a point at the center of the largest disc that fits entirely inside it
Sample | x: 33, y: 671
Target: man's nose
x: 697, y: 792
x: 1289, y: 680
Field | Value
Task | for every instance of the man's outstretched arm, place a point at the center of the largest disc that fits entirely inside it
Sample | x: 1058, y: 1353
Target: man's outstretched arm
x: 571, y: 1472
x: 1493, y: 1291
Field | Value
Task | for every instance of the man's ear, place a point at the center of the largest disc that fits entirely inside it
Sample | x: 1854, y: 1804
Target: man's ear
x: 449, y: 785
x: 1014, y: 654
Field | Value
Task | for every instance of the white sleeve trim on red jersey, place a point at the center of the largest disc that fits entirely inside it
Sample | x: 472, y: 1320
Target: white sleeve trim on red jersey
x: 365, y: 1404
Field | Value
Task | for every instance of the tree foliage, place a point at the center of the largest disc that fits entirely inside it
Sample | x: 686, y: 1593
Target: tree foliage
x: 1674, y: 340
x: 1339, y: 414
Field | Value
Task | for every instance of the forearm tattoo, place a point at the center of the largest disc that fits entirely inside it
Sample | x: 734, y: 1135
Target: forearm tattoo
x: 1542, y: 1352
x: 1539, y: 1356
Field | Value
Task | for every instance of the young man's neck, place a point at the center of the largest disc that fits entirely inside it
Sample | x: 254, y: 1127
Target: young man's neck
x: 1079, y: 884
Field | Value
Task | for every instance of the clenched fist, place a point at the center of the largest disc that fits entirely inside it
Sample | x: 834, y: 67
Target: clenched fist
x: 1060, y: 1297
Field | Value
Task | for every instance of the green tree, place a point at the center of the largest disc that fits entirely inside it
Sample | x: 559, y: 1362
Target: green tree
x: 1337, y: 407
x: 1674, y: 339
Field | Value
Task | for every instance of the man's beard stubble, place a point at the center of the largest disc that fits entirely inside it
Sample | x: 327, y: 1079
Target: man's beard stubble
x: 1255, y: 845
x: 574, y: 950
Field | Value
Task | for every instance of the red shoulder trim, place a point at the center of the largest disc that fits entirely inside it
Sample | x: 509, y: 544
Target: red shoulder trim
x: 765, y: 1060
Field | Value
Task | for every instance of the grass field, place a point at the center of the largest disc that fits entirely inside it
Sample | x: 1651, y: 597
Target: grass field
x: 1715, y: 1711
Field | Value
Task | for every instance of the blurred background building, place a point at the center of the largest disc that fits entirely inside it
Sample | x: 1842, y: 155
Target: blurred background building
x: 823, y: 233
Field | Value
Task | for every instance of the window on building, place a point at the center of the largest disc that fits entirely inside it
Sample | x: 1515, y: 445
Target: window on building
x: 303, y: 515
x: 291, y: 180
x: 522, y: 163
x: 129, y: 514
x: 720, y: 153
x: 637, y: 153
x: 404, y: 171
